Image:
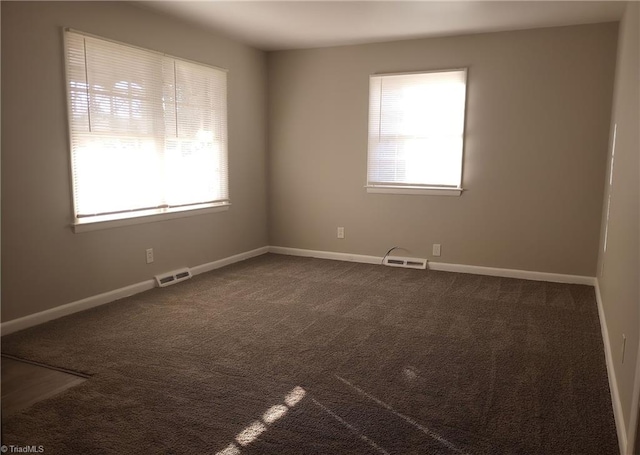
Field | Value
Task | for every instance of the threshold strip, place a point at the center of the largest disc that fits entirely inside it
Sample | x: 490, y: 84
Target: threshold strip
x: 50, y: 367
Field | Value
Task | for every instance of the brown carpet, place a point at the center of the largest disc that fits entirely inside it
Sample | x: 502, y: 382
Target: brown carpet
x: 286, y: 355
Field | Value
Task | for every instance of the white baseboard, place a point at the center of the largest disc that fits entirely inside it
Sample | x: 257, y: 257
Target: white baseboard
x: 326, y: 255
x: 442, y: 266
x: 79, y: 305
x: 512, y: 273
x: 209, y: 266
x: 611, y: 374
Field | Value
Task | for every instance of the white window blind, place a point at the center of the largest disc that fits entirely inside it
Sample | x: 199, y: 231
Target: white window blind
x: 416, y: 130
x: 148, y: 131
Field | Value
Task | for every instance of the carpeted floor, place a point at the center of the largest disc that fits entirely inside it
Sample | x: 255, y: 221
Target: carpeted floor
x: 286, y: 355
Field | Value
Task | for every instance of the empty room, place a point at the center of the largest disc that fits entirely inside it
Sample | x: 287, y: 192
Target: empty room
x: 379, y: 227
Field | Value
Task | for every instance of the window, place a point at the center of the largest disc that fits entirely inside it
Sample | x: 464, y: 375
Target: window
x: 148, y: 131
x: 416, y: 132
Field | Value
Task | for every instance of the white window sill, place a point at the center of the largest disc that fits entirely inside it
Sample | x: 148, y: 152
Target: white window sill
x: 151, y: 216
x: 428, y: 191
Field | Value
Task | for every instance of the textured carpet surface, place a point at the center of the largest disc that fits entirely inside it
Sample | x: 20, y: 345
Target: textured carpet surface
x: 286, y: 355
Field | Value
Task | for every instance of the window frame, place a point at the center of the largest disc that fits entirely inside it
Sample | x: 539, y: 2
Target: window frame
x: 125, y: 218
x: 412, y: 189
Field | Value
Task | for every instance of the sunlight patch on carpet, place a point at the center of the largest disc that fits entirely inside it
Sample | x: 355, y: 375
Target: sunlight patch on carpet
x: 249, y: 434
x: 410, y: 374
x: 255, y: 429
x: 294, y: 396
x: 274, y: 413
x: 231, y: 449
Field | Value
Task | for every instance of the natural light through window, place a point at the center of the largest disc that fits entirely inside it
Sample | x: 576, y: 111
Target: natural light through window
x: 274, y: 413
x: 252, y: 431
x: 294, y: 397
x: 606, y: 226
x: 416, y: 132
x: 148, y: 131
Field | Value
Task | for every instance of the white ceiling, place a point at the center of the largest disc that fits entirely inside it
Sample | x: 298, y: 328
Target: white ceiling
x: 278, y: 25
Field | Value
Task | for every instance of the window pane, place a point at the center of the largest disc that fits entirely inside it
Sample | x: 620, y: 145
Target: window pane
x: 116, y: 174
x: 416, y: 128
x: 193, y: 170
x: 147, y: 130
x: 125, y: 89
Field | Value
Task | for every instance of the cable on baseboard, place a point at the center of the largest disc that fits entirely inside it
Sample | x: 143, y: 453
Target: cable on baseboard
x: 387, y: 253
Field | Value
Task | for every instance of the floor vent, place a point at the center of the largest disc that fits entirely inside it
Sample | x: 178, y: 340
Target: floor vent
x: 169, y: 278
x: 407, y: 263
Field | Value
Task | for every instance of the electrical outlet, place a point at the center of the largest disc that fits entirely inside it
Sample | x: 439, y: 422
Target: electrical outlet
x: 624, y: 346
x: 436, y: 249
x: 340, y: 232
x: 149, y: 255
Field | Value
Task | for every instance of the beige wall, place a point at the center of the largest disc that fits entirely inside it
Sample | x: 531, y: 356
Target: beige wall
x: 539, y: 105
x: 619, y: 266
x: 44, y: 264
x: 538, y: 109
